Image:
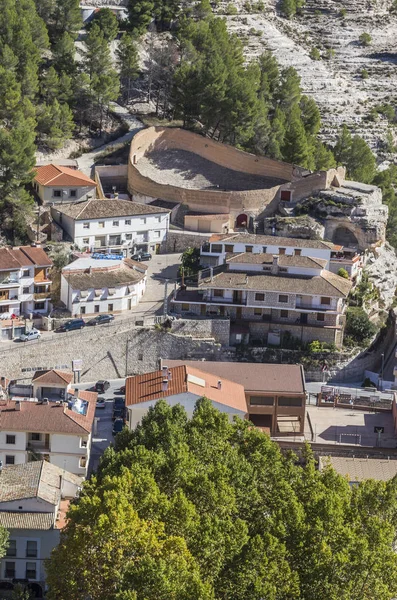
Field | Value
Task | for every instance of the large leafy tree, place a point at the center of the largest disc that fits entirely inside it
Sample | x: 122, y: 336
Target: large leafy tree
x: 205, y: 509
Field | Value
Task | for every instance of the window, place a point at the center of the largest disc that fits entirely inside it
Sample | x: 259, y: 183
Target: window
x: 320, y: 317
x: 86, y: 225
x: 35, y: 437
x: 266, y: 268
x: 218, y: 293
x: 25, y: 290
x: 282, y: 270
x: 31, y: 549
x: 158, y: 219
x: 26, y: 273
x: 86, y: 241
x: 285, y: 195
x: 10, y: 570
x: 10, y: 439
x: 128, y: 236
x: 259, y: 297
x: 115, y: 223
x: 264, y: 249
x: 83, y: 462
x: 82, y: 310
x: 96, y: 308
x: 185, y: 306
x: 156, y: 234
x: 262, y: 400
x: 10, y: 460
x: 285, y: 401
x: 283, y: 298
x: 83, y: 443
x: 73, y: 193
x: 281, y: 250
x: 110, y: 307
x: 229, y: 248
x: 297, y: 251
x: 248, y: 248
x: 127, y: 222
x: 57, y: 193
x: 258, y: 312
x: 325, y: 300
x: 12, y: 548
x: 142, y: 220
x: 101, y: 224
x: 216, y: 248
x: 284, y: 314
x: 39, y: 305
x: 30, y: 570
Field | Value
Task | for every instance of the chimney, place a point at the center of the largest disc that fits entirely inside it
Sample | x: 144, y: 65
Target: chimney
x: 45, y: 401
x: 275, y: 264
x: 169, y: 375
x: 164, y: 385
x: 165, y: 371
x: 76, y: 393
x: 17, y: 405
x: 219, y: 386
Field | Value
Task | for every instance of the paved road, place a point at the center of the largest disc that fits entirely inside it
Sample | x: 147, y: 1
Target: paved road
x: 102, y: 437
x: 86, y: 162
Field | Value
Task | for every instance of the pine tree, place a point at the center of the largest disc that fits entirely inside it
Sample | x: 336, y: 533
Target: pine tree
x: 343, y: 145
x: 140, y: 14
x: 288, y: 8
x: 310, y: 115
x: 107, y: 23
x: 128, y: 64
x: 49, y: 87
x: 323, y: 156
x: 360, y: 163
x: 296, y: 149
x: 66, y: 18
x: 63, y: 54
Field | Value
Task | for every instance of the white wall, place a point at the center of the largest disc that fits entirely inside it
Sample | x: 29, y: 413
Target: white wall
x: 28, y: 505
x: 46, y: 193
x: 66, y: 452
x: 324, y: 253
x: 120, y: 300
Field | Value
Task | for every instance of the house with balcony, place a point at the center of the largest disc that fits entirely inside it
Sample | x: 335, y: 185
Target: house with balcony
x: 34, y: 499
x: 113, y: 226
x: 25, y: 287
x: 268, y: 297
x: 56, y: 184
x: 96, y: 286
x: 58, y: 432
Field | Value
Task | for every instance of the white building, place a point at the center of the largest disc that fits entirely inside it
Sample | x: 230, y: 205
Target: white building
x: 34, y: 498
x: 99, y: 225
x: 57, y: 432
x: 100, y: 286
x: 55, y: 184
x: 182, y: 385
x: 25, y: 287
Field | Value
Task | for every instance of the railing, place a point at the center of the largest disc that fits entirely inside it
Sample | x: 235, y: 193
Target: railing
x: 33, y: 446
x: 314, y: 307
x: 42, y: 281
x: 227, y: 301
x: 8, y: 282
x: 10, y: 299
x: 42, y: 295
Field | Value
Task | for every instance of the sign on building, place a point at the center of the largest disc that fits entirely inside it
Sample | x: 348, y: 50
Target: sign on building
x: 77, y: 365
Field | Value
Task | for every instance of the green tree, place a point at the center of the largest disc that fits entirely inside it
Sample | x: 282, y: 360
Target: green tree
x: 365, y: 39
x: 288, y: 8
x: 343, y: 145
x: 360, y: 163
x: 66, y: 18
x: 20, y: 592
x: 296, y: 148
x: 343, y: 273
x: 54, y: 124
x: 128, y: 64
x: 190, y: 261
x: 4, y: 535
x: 63, y: 54
x: 358, y: 325
x: 315, y: 53
x: 323, y: 157
x: 140, y: 13
x: 107, y: 23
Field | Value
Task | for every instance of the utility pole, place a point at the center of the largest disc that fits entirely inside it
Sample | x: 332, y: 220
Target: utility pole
x: 165, y: 307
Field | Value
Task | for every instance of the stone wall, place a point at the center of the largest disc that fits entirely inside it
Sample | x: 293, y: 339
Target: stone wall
x: 219, y: 329
x: 179, y: 241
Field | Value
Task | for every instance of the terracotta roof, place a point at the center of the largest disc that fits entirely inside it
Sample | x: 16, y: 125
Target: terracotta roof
x: 284, y: 260
x: 102, y: 209
x: 37, y: 479
x: 123, y: 274
x: 24, y: 256
x: 326, y: 284
x: 147, y: 387
x: 254, y: 377
x: 359, y: 469
x: 53, y: 175
x: 23, y: 520
x: 269, y: 240
x: 53, y: 377
x: 48, y: 418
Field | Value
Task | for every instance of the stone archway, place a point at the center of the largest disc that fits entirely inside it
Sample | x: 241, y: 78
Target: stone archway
x: 344, y: 236
x: 242, y: 221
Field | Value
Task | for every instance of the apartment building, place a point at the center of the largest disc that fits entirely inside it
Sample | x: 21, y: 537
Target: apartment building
x: 58, y: 432
x: 94, y: 286
x: 25, y: 287
x: 34, y: 498
x: 113, y: 225
x: 269, y: 295
x: 55, y: 184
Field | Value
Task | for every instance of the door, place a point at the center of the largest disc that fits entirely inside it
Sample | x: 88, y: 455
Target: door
x: 203, y: 310
x: 303, y: 319
x: 237, y: 297
x: 238, y: 312
x: 129, y: 304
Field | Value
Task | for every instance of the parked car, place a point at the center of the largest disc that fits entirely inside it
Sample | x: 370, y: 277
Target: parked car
x: 100, y: 402
x: 101, y: 386
x: 122, y: 390
x: 33, y: 334
x: 141, y: 256
x: 100, y: 319
x: 118, y: 401
x: 118, y: 413
x: 71, y: 325
x: 118, y: 426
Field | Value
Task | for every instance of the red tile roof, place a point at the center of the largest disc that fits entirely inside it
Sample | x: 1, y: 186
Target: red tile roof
x: 48, y: 418
x: 147, y: 387
x: 56, y: 175
x: 24, y: 256
x: 53, y: 376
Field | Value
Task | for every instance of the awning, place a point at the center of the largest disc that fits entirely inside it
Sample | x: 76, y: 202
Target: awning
x: 111, y: 291
x: 83, y: 294
x: 98, y: 293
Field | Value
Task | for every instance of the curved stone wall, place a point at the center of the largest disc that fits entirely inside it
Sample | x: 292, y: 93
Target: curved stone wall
x: 208, y: 201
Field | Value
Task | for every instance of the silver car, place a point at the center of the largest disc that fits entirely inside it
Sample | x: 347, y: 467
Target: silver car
x: 33, y: 334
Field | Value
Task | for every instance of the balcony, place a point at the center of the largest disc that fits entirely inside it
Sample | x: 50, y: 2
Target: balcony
x: 315, y: 307
x: 9, y: 282
x: 38, y: 446
x: 42, y: 281
x: 42, y: 295
x: 226, y: 301
x: 10, y: 300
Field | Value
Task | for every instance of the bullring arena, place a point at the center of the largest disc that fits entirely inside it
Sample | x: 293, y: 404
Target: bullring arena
x: 220, y: 187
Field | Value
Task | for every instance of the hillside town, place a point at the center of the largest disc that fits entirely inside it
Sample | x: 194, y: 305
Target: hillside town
x: 198, y: 338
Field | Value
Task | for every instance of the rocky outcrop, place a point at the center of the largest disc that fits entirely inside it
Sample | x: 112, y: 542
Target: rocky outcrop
x: 382, y: 271
x: 299, y: 227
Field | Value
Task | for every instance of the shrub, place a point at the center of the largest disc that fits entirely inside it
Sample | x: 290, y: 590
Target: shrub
x: 358, y: 325
x: 342, y: 13
x: 343, y: 273
x: 364, y: 73
x: 365, y: 39
x: 315, y: 54
x: 315, y: 346
x: 231, y: 9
